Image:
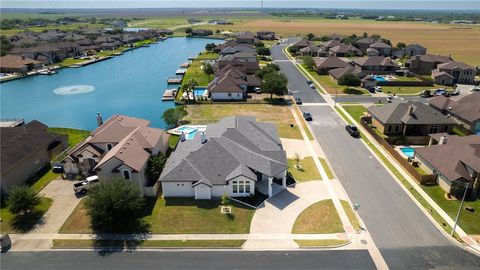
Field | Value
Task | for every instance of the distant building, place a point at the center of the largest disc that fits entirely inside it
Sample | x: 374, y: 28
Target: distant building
x: 244, y: 38
x: 18, y: 64
x: 266, y: 35
x: 415, y: 49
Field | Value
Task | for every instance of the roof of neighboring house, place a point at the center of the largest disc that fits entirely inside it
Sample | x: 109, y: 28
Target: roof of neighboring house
x: 246, y: 35
x: 418, y: 46
x: 366, y: 40
x: 344, y: 48
x: 20, y: 142
x: 331, y: 43
x: 235, y: 146
x: 41, y: 48
x: 339, y: 72
x: 330, y: 62
x: 451, y: 159
x: 380, y: 45
x: 311, y: 48
x: 131, y: 136
x: 398, y: 113
x: 225, y: 84
x: 467, y: 107
x: 373, y: 61
x: 302, y: 43
x: 454, y: 65
x: 437, y: 73
x: 432, y: 58
x: 15, y: 61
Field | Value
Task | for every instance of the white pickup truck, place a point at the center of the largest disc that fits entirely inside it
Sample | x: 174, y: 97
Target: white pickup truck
x: 83, y: 186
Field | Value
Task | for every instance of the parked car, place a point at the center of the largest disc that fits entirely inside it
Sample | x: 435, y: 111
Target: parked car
x: 58, y: 169
x: 440, y: 92
x: 257, y: 90
x: 426, y: 94
x: 390, y: 99
x: 352, y: 130
x: 312, y: 86
x: 85, y: 185
x: 5, y: 242
x: 371, y: 89
x: 298, y: 101
x: 378, y: 89
x: 307, y: 116
x: 309, y: 82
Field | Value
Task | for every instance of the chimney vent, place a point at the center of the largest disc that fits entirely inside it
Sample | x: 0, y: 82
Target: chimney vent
x: 410, y: 109
x: 99, y: 119
x: 443, y: 140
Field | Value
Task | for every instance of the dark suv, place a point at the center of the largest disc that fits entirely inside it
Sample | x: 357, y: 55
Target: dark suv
x: 352, y: 130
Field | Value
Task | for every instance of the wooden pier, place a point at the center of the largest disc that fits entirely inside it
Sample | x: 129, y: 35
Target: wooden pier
x: 174, y: 80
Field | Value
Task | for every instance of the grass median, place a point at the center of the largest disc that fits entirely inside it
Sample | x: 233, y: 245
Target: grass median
x: 321, y: 243
x: 81, y: 243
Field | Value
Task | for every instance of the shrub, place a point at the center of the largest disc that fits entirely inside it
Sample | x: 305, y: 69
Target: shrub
x: 22, y: 200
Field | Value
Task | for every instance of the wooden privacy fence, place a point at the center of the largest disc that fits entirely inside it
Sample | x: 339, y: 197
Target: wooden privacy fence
x: 420, y: 178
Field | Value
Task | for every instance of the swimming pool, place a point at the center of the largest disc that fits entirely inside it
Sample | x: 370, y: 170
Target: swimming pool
x: 187, y: 130
x: 199, y: 91
x: 408, y: 151
x: 379, y: 78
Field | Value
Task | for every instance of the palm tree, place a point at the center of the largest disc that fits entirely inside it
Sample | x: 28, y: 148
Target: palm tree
x: 192, y: 83
x: 186, y: 89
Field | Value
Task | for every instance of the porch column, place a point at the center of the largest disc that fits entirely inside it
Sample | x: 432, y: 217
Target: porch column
x: 270, y: 186
x: 284, y: 180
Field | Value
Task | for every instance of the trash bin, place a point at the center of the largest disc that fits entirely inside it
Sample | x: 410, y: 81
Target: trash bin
x: 6, y: 243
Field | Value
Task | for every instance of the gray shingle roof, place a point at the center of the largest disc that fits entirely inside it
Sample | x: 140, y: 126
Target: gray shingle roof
x: 398, y: 113
x: 237, y: 145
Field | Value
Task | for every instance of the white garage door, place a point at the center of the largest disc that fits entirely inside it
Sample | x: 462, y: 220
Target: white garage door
x: 202, y: 192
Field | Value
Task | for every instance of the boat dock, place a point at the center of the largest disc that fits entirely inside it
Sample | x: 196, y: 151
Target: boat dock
x: 181, y: 71
x: 89, y: 62
x: 11, y: 122
x: 185, y: 65
x: 169, y: 95
x: 175, y: 80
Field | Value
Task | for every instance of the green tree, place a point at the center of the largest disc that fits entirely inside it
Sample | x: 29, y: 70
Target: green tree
x: 225, y: 200
x: 263, y: 51
x: 188, y: 30
x: 155, y: 167
x: 308, y: 61
x: 274, y: 83
x: 208, y: 69
x: 258, y: 44
x: 173, y: 116
x: 5, y: 45
x: 365, y: 35
x: 22, y: 200
x: 401, y: 45
x: 115, y: 206
x: 375, y: 36
x: 210, y: 46
x: 349, y: 79
x: 189, y: 87
x: 310, y: 36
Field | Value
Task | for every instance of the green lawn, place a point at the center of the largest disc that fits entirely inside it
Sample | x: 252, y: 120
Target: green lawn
x: 207, y: 56
x: 76, y: 243
x: 70, y: 61
x: 351, y: 215
x: 469, y: 222
x: 327, y: 169
x: 410, y: 90
x: 308, y: 171
x: 356, y: 111
x: 74, y: 135
x: 173, y: 140
x: 177, y: 215
x: 10, y: 224
x: 330, y: 85
x: 320, y: 217
x: 321, y: 242
x: 195, y: 72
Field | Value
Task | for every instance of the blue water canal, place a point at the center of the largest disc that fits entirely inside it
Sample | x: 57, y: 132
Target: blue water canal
x: 130, y: 84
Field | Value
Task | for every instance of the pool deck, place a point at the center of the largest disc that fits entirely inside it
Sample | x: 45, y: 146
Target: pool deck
x: 176, y: 131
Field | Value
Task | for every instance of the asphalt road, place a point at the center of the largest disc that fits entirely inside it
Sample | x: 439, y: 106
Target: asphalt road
x: 297, y: 83
x: 357, y: 259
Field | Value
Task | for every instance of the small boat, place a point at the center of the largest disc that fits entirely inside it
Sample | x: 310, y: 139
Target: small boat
x: 46, y: 72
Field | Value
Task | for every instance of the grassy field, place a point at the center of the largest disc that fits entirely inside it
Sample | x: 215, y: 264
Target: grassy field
x: 438, y: 38
x: 321, y: 243
x: 194, y: 71
x: 176, y: 215
x: 76, y: 243
x: 207, y: 56
x: 74, y: 135
x: 277, y: 114
x: 9, y: 224
x: 320, y: 217
x: 70, y: 61
x: 308, y: 171
x: 331, y: 86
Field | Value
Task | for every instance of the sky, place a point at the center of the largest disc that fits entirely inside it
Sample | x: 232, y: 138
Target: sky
x: 357, y: 4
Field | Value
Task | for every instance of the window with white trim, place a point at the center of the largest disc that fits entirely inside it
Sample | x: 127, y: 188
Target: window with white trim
x: 240, y: 187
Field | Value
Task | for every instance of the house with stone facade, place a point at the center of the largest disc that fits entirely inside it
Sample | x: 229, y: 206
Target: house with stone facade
x: 236, y: 156
x: 454, y: 72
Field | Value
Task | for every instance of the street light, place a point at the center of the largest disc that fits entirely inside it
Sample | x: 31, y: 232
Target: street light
x: 460, y: 208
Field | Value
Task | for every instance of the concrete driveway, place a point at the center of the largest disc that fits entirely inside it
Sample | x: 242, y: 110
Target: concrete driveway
x: 278, y: 214
x: 64, y: 202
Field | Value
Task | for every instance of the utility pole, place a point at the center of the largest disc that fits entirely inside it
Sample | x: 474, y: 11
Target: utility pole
x: 460, y: 209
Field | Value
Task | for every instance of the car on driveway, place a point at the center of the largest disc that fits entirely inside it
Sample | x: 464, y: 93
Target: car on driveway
x: 378, y: 89
x: 257, y: 90
x: 371, y: 89
x: 440, y: 92
x: 298, y: 101
x: 307, y: 116
x: 85, y: 185
x: 352, y: 130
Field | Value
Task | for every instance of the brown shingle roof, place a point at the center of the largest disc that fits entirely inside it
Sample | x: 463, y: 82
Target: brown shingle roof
x: 373, y: 61
x: 467, y: 107
x: 330, y: 62
x: 453, y: 65
x: 15, y: 61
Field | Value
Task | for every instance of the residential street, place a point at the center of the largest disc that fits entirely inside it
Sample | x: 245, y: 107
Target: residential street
x: 405, y: 236
x: 51, y: 260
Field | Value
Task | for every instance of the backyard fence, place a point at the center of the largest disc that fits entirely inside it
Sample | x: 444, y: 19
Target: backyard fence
x: 420, y: 178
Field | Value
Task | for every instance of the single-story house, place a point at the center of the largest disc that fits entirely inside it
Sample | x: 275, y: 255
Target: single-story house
x: 44, y: 53
x: 226, y: 88
x: 410, y: 118
x: 25, y: 151
x: 343, y: 50
x: 459, y: 73
x: 454, y: 159
x: 323, y: 65
x: 339, y: 72
x: 465, y: 110
x: 312, y: 50
x: 18, y: 64
x: 118, y: 149
x: 424, y: 64
x: 302, y: 43
x: 375, y: 64
x: 237, y: 157
x: 330, y: 44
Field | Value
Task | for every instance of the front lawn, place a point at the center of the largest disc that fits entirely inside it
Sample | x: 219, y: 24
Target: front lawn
x: 410, y: 90
x: 74, y: 135
x: 195, y: 72
x: 42, y: 178
x: 351, y: 215
x: 177, y: 215
x: 277, y: 114
x: 356, y: 111
x: 70, y: 61
x: 469, y: 222
x: 320, y: 218
x: 10, y: 223
x: 207, y: 56
x: 307, y: 172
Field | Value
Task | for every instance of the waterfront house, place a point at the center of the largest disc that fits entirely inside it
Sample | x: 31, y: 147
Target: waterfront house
x: 47, y: 54
x: 454, y: 72
x: 344, y: 50
x: 375, y: 64
x: 453, y: 159
x: 244, y: 38
x: 202, y: 32
x: 226, y: 88
x: 18, y: 64
x: 464, y: 110
x: 323, y: 65
x: 424, y: 64
x: 236, y: 156
x: 118, y: 149
x: 26, y: 150
x: 409, y: 118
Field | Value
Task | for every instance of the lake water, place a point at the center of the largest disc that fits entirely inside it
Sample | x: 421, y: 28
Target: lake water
x: 130, y: 84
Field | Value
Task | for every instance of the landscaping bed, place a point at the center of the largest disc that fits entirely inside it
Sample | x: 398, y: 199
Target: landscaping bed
x: 320, y: 217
